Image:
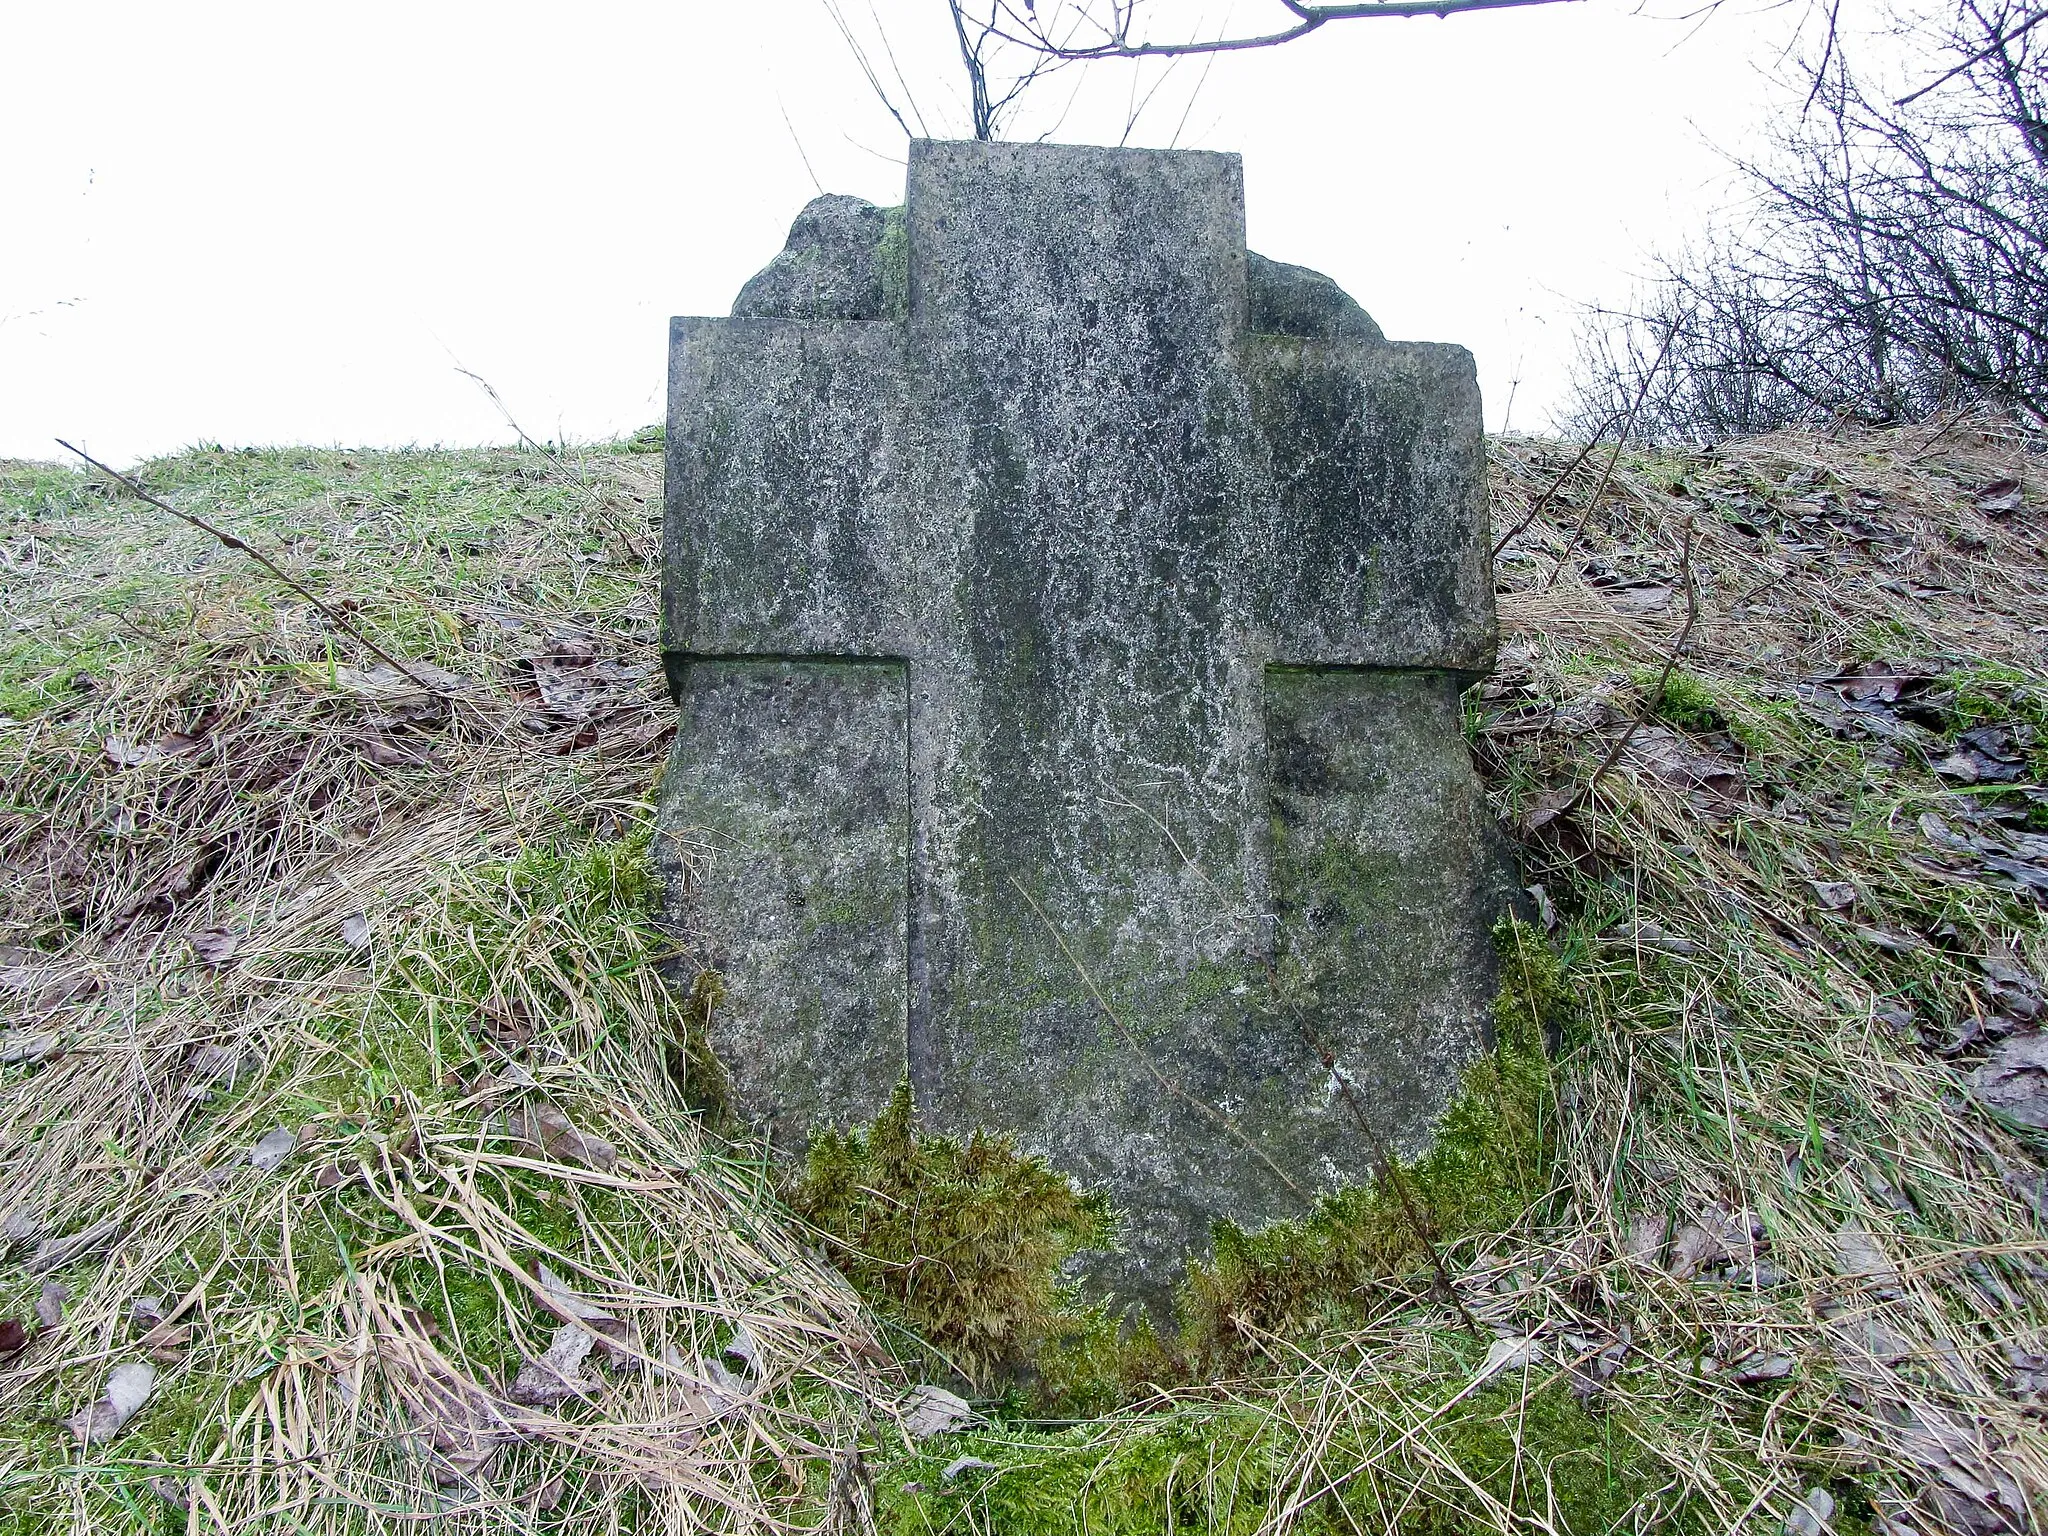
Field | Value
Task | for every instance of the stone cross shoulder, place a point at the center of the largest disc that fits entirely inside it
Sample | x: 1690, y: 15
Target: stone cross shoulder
x: 1067, y: 614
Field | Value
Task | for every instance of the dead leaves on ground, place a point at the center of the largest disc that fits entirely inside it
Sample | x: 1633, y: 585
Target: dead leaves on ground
x: 461, y: 1422
x: 544, y: 1130
x: 578, y: 691
x: 128, y: 1388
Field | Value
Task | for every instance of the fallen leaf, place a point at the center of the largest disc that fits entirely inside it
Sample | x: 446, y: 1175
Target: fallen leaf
x: 1969, y: 1488
x: 544, y: 1129
x: 1833, y: 894
x: 128, y: 1388
x: 272, y: 1150
x: 2013, y: 989
x: 19, y: 1047
x: 1515, y: 1354
x: 334, y: 1175
x: 1752, y: 1369
x: 166, y: 1342
x: 1858, y: 1256
x: 146, y: 1312
x: 508, y: 1020
x: 963, y: 1464
x: 930, y: 1410
x: 355, y: 931
x: 1937, y: 832
x: 14, y: 1336
x: 1985, y: 755
x: 55, y: 1252
x: 1644, y: 1242
x: 614, y: 1334
x: 1883, y: 681
x: 215, y: 946
x: 2013, y: 1079
x: 461, y: 1427
x: 403, y: 752
x: 1888, y: 939
x: 224, y: 1065
x: 50, y: 1305
x: 20, y: 1226
x: 2001, y: 498
x: 741, y: 1347
x: 384, y: 681
x: 549, y: 1494
x: 568, y: 686
x: 1650, y: 597
x: 1714, y: 1236
x: 2027, y: 876
x: 1676, y: 759
x: 1813, y: 1515
x: 709, y: 1391
x: 1597, y: 1364
x: 557, y: 1375
x: 123, y: 753
x: 1693, y: 1248
x: 171, y: 1491
x: 1651, y: 935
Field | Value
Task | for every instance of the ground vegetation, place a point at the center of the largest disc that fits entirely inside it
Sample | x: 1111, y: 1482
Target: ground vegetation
x: 346, y: 1083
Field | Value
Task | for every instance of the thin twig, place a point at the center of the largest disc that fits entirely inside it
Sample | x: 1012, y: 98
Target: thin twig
x: 1312, y: 18
x: 1542, y: 502
x: 1228, y: 1125
x: 1976, y: 58
x: 1692, y: 614
x: 1620, y: 438
x: 230, y: 541
x: 511, y: 421
x: 1389, y: 1169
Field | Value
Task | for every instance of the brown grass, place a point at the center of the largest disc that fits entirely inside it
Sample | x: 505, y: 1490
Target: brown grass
x: 1753, y: 1078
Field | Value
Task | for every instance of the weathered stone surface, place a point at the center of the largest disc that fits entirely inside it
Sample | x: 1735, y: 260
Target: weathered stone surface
x: 1293, y: 301
x: 1069, y: 670
x: 793, y: 772
x: 831, y: 269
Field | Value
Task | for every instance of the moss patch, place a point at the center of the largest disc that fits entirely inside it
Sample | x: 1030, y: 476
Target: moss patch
x: 1490, y: 1160
x: 1686, y: 702
x: 962, y: 1242
x: 1233, y: 1469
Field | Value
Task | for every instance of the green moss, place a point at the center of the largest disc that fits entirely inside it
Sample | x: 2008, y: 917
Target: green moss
x: 1685, y: 702
x: 961, y: 1242
x: 693, y: 1066
x: 893, y: 258
x: 1233, y: 1469
x: 1489, y: 1161
x: 1208, y: 981
x: 578, y: 911
x: 1989, y: 695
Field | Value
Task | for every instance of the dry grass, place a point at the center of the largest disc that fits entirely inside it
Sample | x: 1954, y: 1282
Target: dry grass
x: 437, y: 918
x: 1786, y: 1249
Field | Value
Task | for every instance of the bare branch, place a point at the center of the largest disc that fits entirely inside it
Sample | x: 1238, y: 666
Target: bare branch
x: 1996, y: 45
x: 1892, y: 262
x: 242, y: 546
x: 1116, y: 41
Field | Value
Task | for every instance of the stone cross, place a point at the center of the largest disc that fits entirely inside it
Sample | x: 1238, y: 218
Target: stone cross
x: 1068, y: 614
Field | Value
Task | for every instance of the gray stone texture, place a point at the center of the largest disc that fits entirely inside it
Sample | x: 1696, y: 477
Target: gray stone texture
x: 1067, y: 613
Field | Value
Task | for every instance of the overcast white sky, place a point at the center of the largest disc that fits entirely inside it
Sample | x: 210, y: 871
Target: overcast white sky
x: 274, y: 223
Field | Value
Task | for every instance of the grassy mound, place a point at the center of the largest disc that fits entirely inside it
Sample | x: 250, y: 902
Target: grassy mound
x: 1764, y: 1227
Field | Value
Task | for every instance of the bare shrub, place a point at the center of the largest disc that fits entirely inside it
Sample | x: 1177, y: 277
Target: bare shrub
x: 1889, y: 258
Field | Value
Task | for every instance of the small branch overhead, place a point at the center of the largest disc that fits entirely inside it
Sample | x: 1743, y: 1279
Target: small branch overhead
x: 1080, y: 31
